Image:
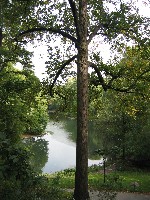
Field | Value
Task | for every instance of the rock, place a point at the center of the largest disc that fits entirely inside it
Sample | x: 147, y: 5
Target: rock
x: 134, y: 185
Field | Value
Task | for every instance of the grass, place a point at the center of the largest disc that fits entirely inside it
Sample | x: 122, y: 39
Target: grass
x: 116, y: 181
x: 141, y: 177
x: 125, y: 181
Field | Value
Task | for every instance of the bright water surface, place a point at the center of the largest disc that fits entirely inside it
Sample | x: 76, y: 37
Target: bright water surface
x: 59, y: 152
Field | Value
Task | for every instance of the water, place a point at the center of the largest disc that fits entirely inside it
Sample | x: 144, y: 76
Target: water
x: 59, y: 151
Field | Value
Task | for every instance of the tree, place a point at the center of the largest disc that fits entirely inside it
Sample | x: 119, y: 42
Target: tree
x: 81, y: 177
x: 37, y: 117
x: 64, y: 100
x: 123, y: 118
x: 123, y: 126
x: 19, y: 101
x: 72, y: 22
x: 19, y: 96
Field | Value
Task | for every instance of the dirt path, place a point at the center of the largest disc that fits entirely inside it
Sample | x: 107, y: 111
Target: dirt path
x: 132, y: 196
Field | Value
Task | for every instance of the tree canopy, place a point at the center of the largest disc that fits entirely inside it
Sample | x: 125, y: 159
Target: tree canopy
x: 56, y: 22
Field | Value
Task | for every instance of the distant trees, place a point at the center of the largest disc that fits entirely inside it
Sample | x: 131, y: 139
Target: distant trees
x: 64, y: 100
x: 124, y: 121
x: 123, y: 127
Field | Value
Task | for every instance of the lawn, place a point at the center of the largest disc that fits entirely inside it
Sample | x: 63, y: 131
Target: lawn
x: 130, y: 181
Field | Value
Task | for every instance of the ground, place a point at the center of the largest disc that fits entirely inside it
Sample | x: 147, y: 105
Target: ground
x: 94, y: 195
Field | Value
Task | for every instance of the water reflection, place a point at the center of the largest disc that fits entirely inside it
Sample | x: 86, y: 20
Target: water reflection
x: 56, y: 150
x: 39, y: 148
x: 62, y: 146
x: 94, y: 140
x: 61, y: 154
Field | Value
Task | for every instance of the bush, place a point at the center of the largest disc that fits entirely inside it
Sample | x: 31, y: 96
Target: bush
x: 18, y: 179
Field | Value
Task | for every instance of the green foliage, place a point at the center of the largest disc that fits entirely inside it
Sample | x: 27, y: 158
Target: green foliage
x: 64, y: 100
x: 18, y: 178
x: 115, y: 181
x: 18, y: 93
x: 121, y: 128
x: 123, y: 116
x: 21, y: 109
x: 113, y: 22
x: 14, y: 161
x: 37, y: 118
x: 64, y: 179
x: 49, y: 19
x: 16, y: 173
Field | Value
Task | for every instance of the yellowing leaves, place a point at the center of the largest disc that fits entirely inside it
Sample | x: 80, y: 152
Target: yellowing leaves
x: 129, y: 63
x: 131, y: 111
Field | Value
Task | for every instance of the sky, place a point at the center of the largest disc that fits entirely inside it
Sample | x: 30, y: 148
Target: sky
x: 40, y: 52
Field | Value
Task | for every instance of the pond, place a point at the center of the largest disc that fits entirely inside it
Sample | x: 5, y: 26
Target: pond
x: 56, y: 150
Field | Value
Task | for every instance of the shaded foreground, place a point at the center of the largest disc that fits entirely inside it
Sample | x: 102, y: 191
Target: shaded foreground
x: 119, y: 185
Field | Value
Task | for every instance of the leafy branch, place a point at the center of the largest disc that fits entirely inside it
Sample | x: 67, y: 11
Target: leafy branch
x: 60, y: 71
x: 51, y: 29
x: 95, y: 31
x: 100, y: 77
x: 101, y: 80
x: 75, y: 16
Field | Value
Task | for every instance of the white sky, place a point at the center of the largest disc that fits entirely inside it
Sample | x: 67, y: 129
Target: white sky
x: 39, y: 62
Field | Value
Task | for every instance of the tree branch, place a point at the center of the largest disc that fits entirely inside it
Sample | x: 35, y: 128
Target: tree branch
x: 133, y: 85
x: 100, y: 77
x: 96, y: 29
x: 127, y: 90
x: 53, y: 30
x: 1, y: 68
x: 59, y: 72
x: 60, y: 95
x: 105, y: 86
x: 75, y: 16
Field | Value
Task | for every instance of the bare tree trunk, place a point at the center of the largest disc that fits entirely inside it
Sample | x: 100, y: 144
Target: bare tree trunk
x: 81, y: 175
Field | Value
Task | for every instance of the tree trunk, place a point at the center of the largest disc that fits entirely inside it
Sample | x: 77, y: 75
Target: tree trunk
x: 81, y: 175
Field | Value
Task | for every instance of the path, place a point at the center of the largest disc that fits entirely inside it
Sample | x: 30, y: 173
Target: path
x: 122, y: 196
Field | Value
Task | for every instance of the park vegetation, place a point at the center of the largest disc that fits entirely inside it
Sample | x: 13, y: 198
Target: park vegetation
x: 115, y: 93
x: 121, y: 118
x: 23, y: 111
